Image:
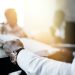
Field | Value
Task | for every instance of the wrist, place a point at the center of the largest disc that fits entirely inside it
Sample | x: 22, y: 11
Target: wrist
x: 13, y: 55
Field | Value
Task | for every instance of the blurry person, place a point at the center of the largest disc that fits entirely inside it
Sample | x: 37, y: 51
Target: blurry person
x: 57, y: 29
x: 67, y: 6
x: 58, y: 37
x: 11, y: 27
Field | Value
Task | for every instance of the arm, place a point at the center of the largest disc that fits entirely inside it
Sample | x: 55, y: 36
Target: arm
x: 36, y: 65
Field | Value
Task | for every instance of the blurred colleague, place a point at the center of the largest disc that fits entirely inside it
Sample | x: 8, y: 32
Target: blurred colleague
x: 67, y: 6
x: 60, y: 35
x: 58, y: 26
x: 11, y: 26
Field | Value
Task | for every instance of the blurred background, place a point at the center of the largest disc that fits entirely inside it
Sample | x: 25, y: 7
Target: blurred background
x: 34, y: 16
x: 37, y: 17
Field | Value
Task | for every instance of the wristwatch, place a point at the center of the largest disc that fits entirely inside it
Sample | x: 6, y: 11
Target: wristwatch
x: 13, y: 55
x: 12, y: 48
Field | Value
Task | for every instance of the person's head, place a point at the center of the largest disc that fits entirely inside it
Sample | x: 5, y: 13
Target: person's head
x: 59, y: 17
x: 11, y: 17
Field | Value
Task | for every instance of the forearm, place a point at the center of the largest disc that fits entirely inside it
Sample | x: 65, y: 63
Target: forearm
x: 36, y: 65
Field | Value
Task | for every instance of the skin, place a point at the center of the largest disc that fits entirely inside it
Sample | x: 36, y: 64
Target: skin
x: 11, y: 17
x: 64, y: 54
x: 58, y: 19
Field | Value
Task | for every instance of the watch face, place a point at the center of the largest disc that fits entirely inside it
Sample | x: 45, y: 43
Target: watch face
x: 13, y: 57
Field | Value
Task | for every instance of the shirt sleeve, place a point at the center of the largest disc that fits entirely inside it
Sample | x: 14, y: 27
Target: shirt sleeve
x: 36, y: 65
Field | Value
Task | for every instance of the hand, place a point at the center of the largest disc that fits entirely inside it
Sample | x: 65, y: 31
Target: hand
x: 12, y: 48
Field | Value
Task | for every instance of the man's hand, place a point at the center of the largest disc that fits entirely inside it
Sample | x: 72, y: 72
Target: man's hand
x: 12, y: 48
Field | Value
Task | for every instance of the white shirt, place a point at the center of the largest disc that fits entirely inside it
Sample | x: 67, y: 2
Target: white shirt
x: 61, y: 31
x: 36, y: 65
